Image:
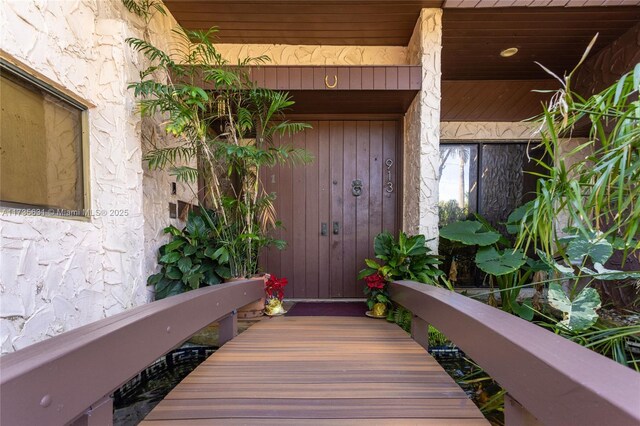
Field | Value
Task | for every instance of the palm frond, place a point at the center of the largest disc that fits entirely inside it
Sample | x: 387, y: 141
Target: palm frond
x: 185, y: 174
x: 160, y: 158
x: 154, y: 54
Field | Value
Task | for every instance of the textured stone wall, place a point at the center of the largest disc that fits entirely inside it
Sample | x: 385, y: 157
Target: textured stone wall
x: 422, y: 130
x: 58, y: 274
x: 468, y: 130
x: 282, y: 54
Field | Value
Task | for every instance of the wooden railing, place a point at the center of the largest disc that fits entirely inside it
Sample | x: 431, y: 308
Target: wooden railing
x: 69, y: 378
x: 549, y: 379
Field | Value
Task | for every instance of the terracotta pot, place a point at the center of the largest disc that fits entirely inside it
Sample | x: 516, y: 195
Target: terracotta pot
x: 253, y: 309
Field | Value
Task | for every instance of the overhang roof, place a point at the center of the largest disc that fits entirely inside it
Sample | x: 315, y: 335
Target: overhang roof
x: 473, y: 34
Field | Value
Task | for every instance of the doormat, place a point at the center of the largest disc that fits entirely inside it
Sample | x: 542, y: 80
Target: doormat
x: 328, y: 309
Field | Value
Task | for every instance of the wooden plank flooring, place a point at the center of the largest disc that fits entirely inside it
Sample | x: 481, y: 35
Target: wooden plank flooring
x: 319, y: 371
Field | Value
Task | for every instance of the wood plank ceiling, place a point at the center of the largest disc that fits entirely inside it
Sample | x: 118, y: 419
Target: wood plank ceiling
x: 472, y: 37
x: 329, y: 22
x: 555, y: 37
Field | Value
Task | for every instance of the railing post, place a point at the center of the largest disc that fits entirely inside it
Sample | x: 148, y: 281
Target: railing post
x: 516, y: 415
x: 99, y: 414
x: 420, y: 331
x: 228, y: 328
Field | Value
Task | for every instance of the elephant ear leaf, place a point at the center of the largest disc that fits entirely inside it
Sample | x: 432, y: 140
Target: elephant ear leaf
x: 524, y: 310
x: 494, y: 262
x: 564, y: 270
x: 599, y: 250
x: 514, y: 220
x: 469, y: 232
x: 579, y: 314
x: 612, y: 274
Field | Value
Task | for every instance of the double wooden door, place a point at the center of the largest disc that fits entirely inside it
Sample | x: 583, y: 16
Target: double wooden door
x: 332, y: 208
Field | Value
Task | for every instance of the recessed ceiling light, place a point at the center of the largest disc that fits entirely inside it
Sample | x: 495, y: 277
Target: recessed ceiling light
x: 509, y: 52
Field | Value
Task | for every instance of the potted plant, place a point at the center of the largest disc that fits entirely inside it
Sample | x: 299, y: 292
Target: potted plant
x: 408, y: 258
x: 377, y: 295
x: 274, y: 289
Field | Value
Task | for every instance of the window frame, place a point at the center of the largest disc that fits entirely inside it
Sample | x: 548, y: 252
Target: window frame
x: 479, y: 143
x: 17, y: 69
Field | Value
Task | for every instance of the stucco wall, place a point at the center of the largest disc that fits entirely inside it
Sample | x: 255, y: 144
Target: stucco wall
x: 282, y: 54
x: 422, y: 130
x: 57, y: 274
x: 467, y: 130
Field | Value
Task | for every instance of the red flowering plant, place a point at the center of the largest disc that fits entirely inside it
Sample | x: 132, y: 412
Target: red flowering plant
x: 376, y: 290
x: 407, y: 258
x: 274, y: 287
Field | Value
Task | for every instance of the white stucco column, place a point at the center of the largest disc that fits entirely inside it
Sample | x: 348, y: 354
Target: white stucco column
x: 422, y: 130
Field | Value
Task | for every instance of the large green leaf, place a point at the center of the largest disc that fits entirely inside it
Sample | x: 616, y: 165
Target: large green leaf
x: 514, y: 220
x: 497, y: 263
x: 196, y: 227
x: 366, y: 272
x: 221, y: 255
x: 372, y: 263
x: 610, y: 274
x: 173, y: 273
x: 166, y: 288
x: 470, y: 233
x: 155, y: 278
x: 194, y: 279
x: 599, y: 250
x: 524, y: 310
x: 173, y: 245
x: 172, y: 230
x: 185, y: 264
x: 578, y: 314
x: 415, y: 245
x: 170, y: 257
x: 189, y: 250
x: 223, y: 271
x: 382, y: 245
x: 564, y: 270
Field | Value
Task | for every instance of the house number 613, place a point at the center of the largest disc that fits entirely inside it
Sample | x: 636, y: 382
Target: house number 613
x: 389, y: 184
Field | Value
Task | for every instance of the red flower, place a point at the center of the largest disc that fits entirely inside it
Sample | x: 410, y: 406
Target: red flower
x: 274, y: 287
x: 375, y: 281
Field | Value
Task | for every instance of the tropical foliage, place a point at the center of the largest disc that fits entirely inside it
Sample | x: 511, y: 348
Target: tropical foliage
x: 408, y: 258
x: 508, y: 268
x: 594, y: 184
x: 226, y: 129
x: 190, y: 260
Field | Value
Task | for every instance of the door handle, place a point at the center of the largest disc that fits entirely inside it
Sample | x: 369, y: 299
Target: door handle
x: 336, y: 228
x: 324, y: 231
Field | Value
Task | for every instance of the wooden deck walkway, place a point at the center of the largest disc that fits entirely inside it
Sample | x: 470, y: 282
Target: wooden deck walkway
x: 318, y: 370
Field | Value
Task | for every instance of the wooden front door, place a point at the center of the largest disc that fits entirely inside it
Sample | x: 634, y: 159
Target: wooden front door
x: 332, y: 209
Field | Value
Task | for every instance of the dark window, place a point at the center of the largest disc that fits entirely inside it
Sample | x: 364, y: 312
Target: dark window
x: 41, y: 147
x: 491, y: 179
